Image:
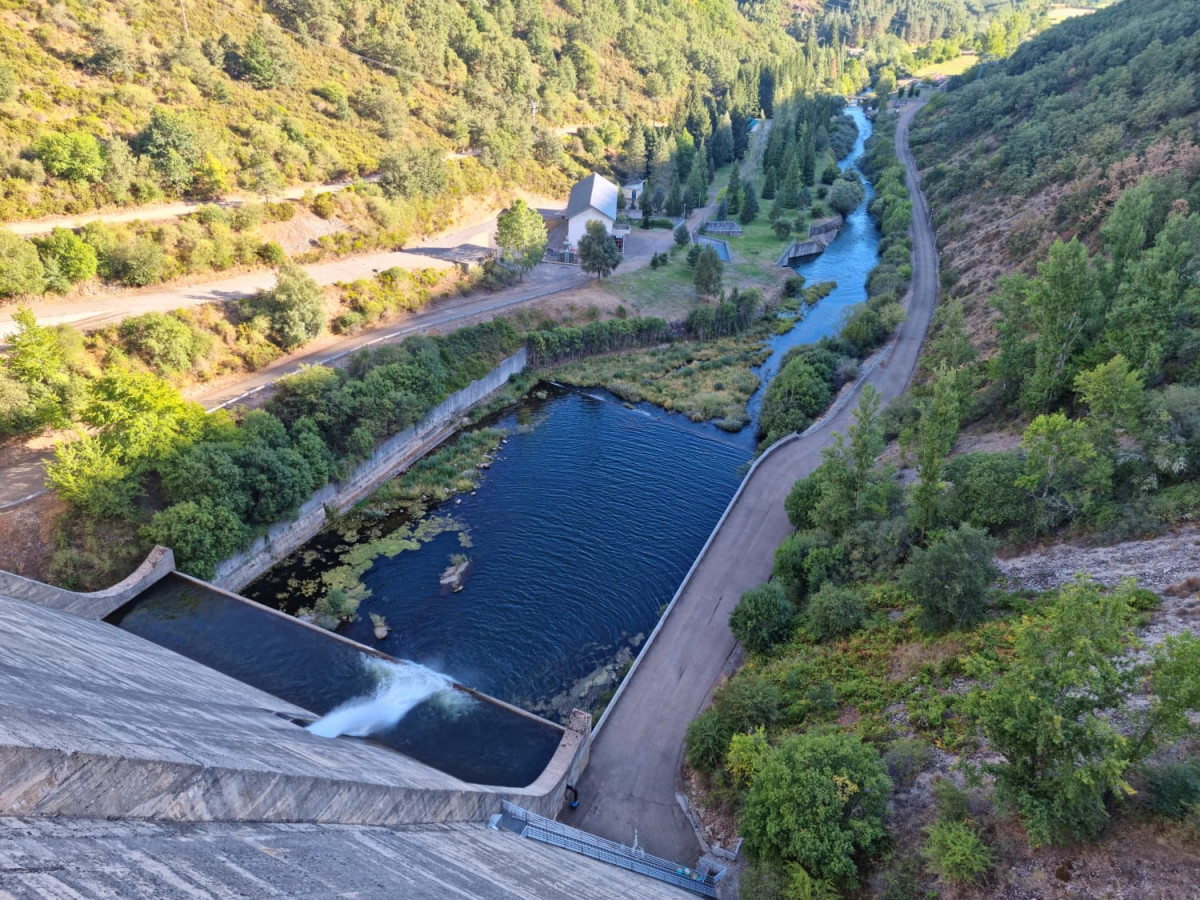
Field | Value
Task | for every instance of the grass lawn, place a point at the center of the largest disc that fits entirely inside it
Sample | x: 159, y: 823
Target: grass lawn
x: 1062, y: 13
x: 955, y: 66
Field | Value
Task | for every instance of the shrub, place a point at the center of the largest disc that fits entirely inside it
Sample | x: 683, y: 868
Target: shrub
x: 164, y: 343
x: 834, y: 611
x: 762, y: 617
x: 905, y: 759
x: 75, y: 155
x: 66, y: 259
x: 801, y: 499
x: 21, y: 270
x: 748, y: 700
x: 707, y: 740
x: 297, y: 307
x: 793, y: 286
x: 202, y: 533
x: 682, y: 236
x: 137, y: 263
x: 1174, y: 789
x: 950, y: 578
x: 272, y: 253
x: 955, y: 851
x: 324, y: 206
x: 818, y: 801
x: 985, y: 492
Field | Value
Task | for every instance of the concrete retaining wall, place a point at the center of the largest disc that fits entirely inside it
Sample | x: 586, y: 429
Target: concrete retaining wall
x: 398, y: 452
x: 97, y: 604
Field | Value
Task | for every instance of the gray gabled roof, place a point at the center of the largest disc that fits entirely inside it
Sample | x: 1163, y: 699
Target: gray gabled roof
x: 595, y: 192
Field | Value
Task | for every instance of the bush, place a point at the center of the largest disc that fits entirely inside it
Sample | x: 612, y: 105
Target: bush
x: 682, y: 236
x: 136, y: 263
x: 950, y: 578
x: 818, y: 801
x: 749, y: 700
x: 202, y: 533
x: 707, y: 741
x: 66, y: 259
x: 324, y: 206
x: 985, y: 492
x: 163, y: 342
x: 297, y: 307
x: 801, y: 499
x: 762, y: 617
x: 783, y: 230
x: 793, y: 286
x: 834, y: 611
x: 905, y: 759
x: 75, y: 156
x: 1174, y: 789
x: 21, y: 270
x: 955, y: 851
x: 272, y: 253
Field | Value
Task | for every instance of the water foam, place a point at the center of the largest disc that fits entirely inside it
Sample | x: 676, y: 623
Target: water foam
x: 399, y: 687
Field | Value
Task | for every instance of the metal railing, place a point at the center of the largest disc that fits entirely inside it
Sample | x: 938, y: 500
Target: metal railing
x: 556, y: 834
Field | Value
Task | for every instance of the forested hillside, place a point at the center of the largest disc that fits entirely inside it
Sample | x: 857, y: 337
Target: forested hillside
x: 1002, y: 722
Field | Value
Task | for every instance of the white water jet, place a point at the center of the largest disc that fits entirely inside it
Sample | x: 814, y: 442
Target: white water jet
x: 399, y: 687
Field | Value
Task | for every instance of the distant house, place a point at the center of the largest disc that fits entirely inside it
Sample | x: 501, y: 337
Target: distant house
x: 594, y: 198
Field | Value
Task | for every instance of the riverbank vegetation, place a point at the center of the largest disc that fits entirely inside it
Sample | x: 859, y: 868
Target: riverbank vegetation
x: 810, y: 376
x: 882, y: 625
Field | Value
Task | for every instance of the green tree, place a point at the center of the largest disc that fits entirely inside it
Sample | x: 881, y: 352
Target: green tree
x: 834, y: 611
x: 770, y: 184
x: 709, y: 272
x: 950, y: 578
x: 410, y: 172
x: 749, y: 203
x: 1060, y: 758
x: 91, y: 477
x: 1064, y: 472
x: 844, y: 196
x: 211, y: 181
x: 138, y: 262
x: 260, y: 65
x: 21, y: 270
x: 74, y: 155
x: 66, y: 259
x: 762, y: 617
x: 35, y: 352
x: 521, y: 235
x: 202, y: 533
x: 598, y: 251
x: 818, y: 801
x: 934, y: 437
x: 635, y: 151
x: 1062, y: 304
x: 261, y: 175
x: 1115, y: 398
x: 297, y: 307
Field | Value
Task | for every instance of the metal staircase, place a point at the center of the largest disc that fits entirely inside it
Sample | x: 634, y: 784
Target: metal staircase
x: 538, y: 828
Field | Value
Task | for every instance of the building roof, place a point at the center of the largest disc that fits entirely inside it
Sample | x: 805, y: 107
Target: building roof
x: 595, y: 192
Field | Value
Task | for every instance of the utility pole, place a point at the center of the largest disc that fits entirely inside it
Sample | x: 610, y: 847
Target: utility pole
x: 183, y: 9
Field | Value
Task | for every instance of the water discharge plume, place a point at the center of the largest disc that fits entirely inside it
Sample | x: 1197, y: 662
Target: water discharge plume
x: 399, y: 687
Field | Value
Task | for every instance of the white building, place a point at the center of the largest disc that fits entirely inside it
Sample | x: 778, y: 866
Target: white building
x: 594, y: 198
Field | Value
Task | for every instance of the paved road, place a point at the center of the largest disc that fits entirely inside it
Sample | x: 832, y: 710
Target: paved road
x: 20, y: 482
x: 636, y: 758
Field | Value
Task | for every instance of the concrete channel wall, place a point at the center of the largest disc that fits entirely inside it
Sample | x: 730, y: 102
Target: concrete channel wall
x: 98, y: 604
x: 398, y: 452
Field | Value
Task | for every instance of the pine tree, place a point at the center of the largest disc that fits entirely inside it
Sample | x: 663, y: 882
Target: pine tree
x: 769, y: 185
x: 635, y: 151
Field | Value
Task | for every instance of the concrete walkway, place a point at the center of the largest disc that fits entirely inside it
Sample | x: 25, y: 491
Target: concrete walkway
x: 637, y: 751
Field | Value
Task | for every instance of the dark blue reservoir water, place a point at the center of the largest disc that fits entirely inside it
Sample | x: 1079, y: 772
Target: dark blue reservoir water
x: 580, y: 532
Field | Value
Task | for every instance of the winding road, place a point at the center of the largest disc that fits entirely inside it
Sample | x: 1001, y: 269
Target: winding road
x: 636, y: 761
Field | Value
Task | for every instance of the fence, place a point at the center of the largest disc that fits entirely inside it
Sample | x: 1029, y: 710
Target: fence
x: 557, y: 834
x: 721, y: 226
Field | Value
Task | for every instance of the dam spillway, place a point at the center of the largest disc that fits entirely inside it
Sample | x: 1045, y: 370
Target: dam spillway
x: 470, y: 738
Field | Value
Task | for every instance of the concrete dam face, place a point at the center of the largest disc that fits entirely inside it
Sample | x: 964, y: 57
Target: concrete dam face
x: 139, y: 769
